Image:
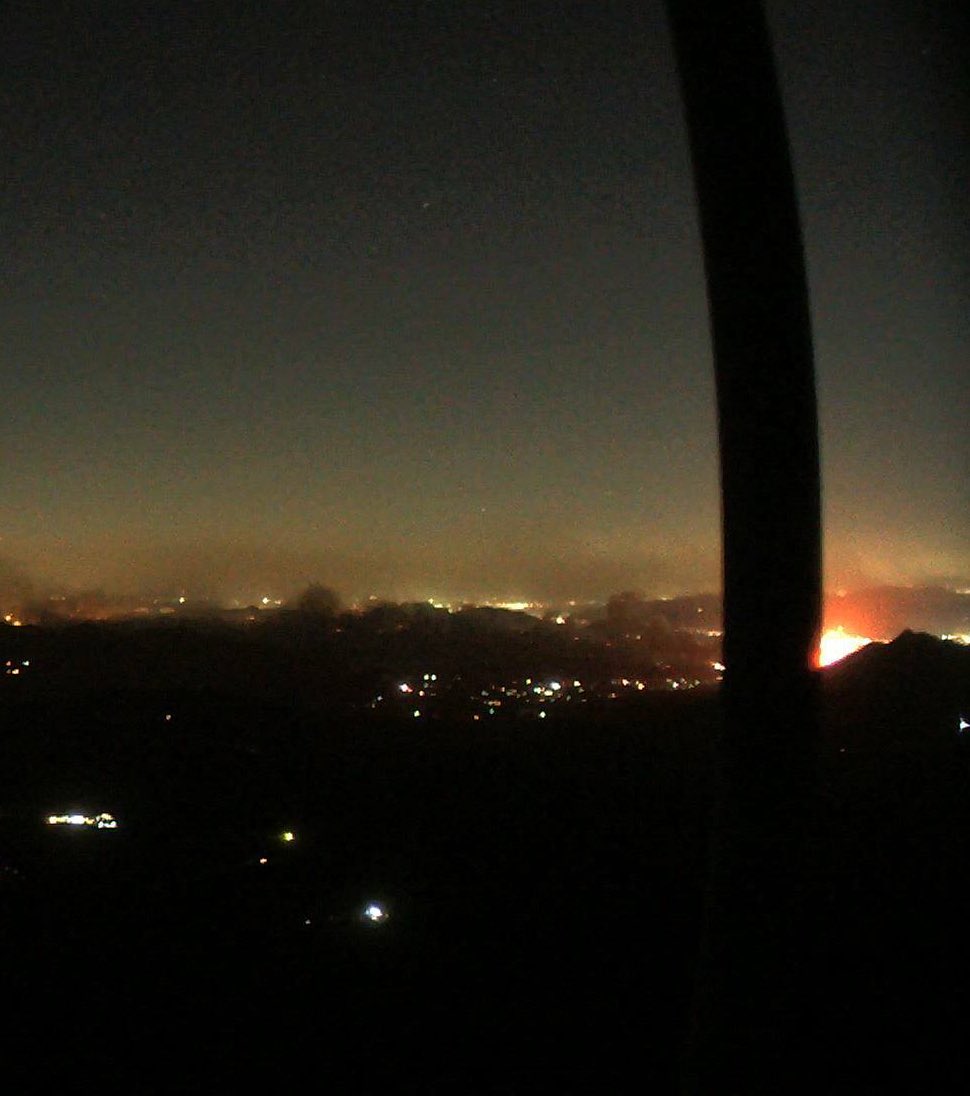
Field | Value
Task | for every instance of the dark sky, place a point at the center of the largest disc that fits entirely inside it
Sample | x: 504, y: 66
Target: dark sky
x: 408, y: 297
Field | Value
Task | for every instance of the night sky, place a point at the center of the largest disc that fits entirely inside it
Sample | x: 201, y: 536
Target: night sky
x: 410, y: 300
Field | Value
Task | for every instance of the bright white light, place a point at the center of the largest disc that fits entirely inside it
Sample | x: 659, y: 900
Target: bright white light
x: 542, y: 715
x: 375, y: 913
x: 416, y: 713
x: 964, y: 725
x: 405, y: 688
x: 555, y: 686
x: 181, y: 601
x: 719, y: 666
x: 287, y: 835
x: 100, y: 821
x: 263, y: 860
x: 837, y: 644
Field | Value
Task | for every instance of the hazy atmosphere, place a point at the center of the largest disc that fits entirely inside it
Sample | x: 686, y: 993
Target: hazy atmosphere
x: 414, y: 305
x: 373, y: 708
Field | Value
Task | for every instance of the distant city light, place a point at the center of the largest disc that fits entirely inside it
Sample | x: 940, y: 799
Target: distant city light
x: 263, y: 860
x: 102, y: 821
x: 374, y: 912
x: 287, y: 835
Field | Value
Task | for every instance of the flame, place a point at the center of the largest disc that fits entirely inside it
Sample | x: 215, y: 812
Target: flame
x: 836, y: 644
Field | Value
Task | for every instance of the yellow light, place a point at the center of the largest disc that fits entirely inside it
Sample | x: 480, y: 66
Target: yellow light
x: 287, y: 835
x: 103, y: 821
x: 837, y: 644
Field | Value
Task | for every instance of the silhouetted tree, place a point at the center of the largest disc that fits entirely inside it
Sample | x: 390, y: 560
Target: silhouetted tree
x: 625, y: 609
x: 318, y: 600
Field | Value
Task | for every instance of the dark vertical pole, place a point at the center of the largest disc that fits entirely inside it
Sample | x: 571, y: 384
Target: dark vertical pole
x: 752, y: 976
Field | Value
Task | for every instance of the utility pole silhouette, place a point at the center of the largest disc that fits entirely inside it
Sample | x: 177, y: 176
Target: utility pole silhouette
x: 752, y: 1000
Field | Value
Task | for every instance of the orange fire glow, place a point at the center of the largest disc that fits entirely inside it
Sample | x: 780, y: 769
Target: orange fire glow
x: 837, y: 643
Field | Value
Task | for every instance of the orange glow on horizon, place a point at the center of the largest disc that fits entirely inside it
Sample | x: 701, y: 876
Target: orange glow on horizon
x: 836, y: 644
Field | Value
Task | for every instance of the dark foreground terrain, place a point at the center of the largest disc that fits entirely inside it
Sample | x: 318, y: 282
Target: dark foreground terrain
x: 543, y: 889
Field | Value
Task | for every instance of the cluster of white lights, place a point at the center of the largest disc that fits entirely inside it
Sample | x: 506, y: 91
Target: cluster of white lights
x: 99, y: 821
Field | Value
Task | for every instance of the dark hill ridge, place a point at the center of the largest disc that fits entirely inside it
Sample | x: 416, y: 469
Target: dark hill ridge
x: 910, y: 691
